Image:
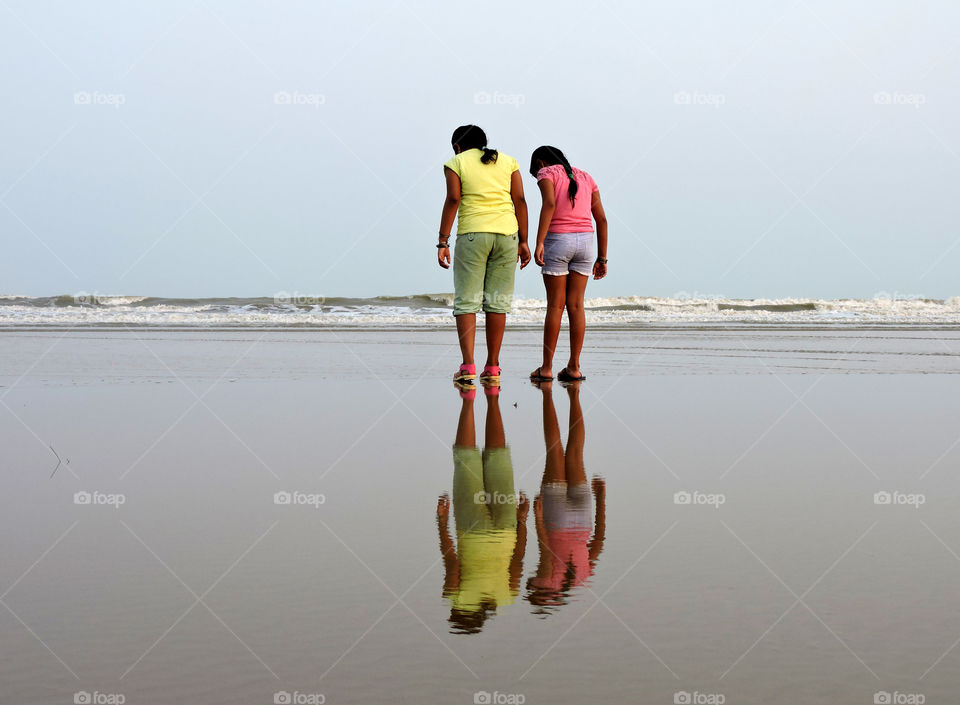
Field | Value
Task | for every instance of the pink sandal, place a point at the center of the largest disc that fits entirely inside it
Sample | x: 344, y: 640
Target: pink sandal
x: 468, y: 390
x: 490, y: 376
x: 466, y: 373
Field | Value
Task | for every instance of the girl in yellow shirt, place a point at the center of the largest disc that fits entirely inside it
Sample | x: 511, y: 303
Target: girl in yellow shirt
x: 485, y: 195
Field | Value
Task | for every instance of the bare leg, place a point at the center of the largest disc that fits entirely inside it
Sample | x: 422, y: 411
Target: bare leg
x: 575, y: 439
x: 556, y: 287
x: 466, y: 428
x: 493, y: 435
x: 576, y: 286
x: 553, y: 470
x: 467, y: 331
x: 496, y: 322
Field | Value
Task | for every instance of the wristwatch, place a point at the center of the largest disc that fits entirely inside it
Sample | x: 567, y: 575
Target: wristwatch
x: 602, y: 260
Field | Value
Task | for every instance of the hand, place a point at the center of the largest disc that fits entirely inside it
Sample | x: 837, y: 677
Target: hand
x: 443, y: 508
x: 443, y: 257
x: 523, y: 254
x: 599, y: 487
x: 523, y: 506
x: 538, y: 254
x: 599, y: 270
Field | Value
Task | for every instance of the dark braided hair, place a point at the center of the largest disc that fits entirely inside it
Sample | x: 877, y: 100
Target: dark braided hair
x: 551, y: 156
x: 472, y: 137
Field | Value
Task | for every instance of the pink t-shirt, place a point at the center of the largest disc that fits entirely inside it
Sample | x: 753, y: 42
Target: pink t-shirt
x: 567, y: 218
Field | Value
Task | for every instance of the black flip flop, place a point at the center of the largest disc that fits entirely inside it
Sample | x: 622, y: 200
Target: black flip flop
x: 537, y: 377
x: 565, y: 376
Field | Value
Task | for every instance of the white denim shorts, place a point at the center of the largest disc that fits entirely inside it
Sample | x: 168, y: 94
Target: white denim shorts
x: 567, y: 506
x: 569, y: 252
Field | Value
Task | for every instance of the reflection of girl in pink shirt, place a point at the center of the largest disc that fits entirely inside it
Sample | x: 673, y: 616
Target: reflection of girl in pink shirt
x: 567, y: 516
x: 564, y: 510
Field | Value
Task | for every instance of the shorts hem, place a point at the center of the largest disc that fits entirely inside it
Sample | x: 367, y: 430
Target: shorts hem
x: 569, y: 271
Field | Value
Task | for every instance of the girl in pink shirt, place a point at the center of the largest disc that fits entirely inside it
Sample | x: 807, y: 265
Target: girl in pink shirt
x: 565, y: 252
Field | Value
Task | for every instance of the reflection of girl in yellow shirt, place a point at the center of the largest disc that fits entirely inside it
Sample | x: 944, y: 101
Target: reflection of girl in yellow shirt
x: 490, y: 517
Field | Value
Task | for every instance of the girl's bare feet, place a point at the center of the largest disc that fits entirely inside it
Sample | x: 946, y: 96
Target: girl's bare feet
x: 569, y: 375
x: 542, y: 374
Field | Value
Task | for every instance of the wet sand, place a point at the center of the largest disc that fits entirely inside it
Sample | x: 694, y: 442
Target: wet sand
x: 785, y: 578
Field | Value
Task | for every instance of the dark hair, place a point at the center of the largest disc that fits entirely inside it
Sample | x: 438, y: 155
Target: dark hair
x: 546, y: 600
x: 551, y: 156
x: 470, y: 621
x: 472, y: 137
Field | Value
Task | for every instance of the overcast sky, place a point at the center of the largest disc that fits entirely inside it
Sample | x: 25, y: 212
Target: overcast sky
x: 217, y: 148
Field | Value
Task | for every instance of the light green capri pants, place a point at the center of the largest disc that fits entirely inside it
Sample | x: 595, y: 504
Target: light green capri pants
x: 484, y: 265
x: 483, y: 495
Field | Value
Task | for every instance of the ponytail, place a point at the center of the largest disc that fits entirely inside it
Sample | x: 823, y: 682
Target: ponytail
x: 472, y: 137
x: 551, y: 156
x: 573, y: 187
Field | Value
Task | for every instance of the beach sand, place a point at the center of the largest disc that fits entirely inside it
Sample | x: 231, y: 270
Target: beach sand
x: 798, y: 587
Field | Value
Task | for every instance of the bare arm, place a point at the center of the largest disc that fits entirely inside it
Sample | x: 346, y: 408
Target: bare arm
x: 516, y: 562
x: 545, y: 566
x: 600, y: 526
x: 450, y: 205
x: 547, y: 208
x: 451, y: 564
x: 596, y: 207
x: 520, y: 207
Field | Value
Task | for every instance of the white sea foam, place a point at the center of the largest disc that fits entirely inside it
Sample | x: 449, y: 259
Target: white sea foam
x: 434, y: 310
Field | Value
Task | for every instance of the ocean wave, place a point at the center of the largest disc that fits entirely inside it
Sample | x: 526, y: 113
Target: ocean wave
x: 434, y: 310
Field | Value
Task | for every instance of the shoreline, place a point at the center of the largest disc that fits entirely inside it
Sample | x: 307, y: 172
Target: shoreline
x: 434, y: 328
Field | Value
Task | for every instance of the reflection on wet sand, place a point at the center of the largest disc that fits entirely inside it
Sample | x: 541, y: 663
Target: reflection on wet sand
x: 484, y: 566
x: 483, y: 569
x: 563, y: 510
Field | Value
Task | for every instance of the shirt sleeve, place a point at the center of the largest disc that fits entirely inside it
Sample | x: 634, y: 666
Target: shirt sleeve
x: 453, y: 164
x: 546, y: 173
x: 593, y: 184
x: 514, y: 165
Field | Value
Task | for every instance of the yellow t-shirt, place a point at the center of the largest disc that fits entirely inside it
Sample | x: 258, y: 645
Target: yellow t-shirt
x: 485, y: 568
x: 485, y: 203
